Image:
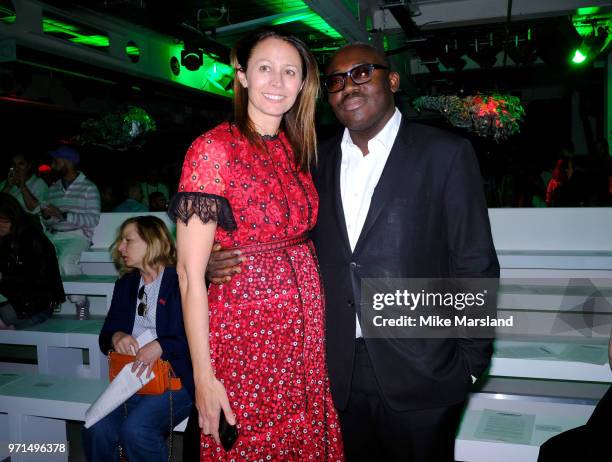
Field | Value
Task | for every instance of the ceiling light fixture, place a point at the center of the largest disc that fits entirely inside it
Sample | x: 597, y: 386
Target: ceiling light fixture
x: 192, y: 58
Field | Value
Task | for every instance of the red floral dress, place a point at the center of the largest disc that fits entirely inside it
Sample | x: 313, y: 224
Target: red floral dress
x: 267, y: 325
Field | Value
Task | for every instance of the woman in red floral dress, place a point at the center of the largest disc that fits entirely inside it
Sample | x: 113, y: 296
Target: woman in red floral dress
x: 257, y: 342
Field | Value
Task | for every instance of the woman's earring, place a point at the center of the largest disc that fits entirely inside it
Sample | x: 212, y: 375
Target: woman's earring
x: 242, y: 77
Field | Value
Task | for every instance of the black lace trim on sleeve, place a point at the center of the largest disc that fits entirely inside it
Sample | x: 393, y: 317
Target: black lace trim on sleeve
x: 206, y: 206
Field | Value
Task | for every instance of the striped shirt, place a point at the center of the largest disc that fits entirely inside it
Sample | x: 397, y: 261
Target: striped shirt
x: 37, y: 187
x: 81, y: 202
x: 147, y: 322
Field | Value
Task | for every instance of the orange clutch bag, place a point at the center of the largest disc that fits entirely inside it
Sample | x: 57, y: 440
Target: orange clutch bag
x: 163, y: 381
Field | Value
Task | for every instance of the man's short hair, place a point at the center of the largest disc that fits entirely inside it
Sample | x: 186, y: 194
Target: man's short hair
x: 377, y: 50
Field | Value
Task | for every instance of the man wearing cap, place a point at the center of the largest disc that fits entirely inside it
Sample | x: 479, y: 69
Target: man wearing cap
x: 70, y: 215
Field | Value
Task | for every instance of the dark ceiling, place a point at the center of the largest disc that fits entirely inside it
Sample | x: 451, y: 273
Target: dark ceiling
x: 215, y: 25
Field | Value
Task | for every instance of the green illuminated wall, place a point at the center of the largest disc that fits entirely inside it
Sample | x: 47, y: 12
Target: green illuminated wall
x: 309, y: 18
x: 208, y: 77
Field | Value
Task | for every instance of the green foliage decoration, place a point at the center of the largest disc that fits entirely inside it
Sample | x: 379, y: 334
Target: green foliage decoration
x: 490, y: 116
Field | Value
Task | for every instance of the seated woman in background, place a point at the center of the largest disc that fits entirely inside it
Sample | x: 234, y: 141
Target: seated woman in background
x: 145, y: 298
x: 30, y: 283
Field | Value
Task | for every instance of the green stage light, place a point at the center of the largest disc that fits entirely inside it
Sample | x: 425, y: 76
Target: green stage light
x: 92, y: 40
x: 591, y: 47
x: 588, y: 10
x: 578, y: 57
x: 8, y: 19
x: 7, y: 14
x: 132, y: 50
x: 213, y: 76
x: 308, y: 18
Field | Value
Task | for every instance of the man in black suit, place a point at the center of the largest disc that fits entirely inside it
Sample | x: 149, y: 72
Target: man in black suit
x: 397, y: 200
x: 416, y: 209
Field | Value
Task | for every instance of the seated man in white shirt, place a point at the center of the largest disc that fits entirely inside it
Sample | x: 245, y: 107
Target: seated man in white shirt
x: 70, y: 216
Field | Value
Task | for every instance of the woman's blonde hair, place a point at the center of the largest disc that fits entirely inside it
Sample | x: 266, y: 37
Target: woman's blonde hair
x: 160, y: 246
x: 299, y: 122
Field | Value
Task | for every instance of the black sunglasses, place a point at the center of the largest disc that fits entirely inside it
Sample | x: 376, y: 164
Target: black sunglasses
x: 142, y: 306
x: 359, y: 75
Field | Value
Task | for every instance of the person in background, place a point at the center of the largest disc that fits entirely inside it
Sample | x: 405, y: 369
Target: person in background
x: 157, y: 202
x: 23, y: 184
x: 108, y: 199
x: 133, y: 203
x: 562, y: 172
x: 70, y: 216
x: 601, y: 174
x: 145, y: 298
x: 589, y: 442
x: 30, y: 283
x: 152, y: 184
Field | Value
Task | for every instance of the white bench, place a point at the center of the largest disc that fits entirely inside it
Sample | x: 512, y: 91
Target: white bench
x: 59, y: 346
x: 59, y: 342
x: 34, y: 408
x: 552, y: 416
x: 550, y: 365
x: 90, y: 285
x: 553, y: 262
x: 556, y: 276
x: 37, y: 407
x: 529, y: 242
x: 553, y: 242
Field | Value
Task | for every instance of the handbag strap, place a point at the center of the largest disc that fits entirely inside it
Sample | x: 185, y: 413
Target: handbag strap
x: 174, y: 383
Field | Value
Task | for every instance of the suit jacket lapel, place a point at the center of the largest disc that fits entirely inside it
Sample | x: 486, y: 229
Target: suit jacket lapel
x: 393, y: 175
x: 164, y: 290
x: 133, y: 296
x: 335, y: 190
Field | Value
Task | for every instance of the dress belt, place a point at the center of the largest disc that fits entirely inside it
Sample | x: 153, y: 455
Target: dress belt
x: 276, y: 245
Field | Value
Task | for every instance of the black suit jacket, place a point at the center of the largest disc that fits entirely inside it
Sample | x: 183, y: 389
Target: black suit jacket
x: 428, y: 218
x: 168, y: 321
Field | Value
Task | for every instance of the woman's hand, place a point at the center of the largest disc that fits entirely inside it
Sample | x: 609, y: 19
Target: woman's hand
x: 124, y: 343
x: 211, y: 400
x: 146, y: 356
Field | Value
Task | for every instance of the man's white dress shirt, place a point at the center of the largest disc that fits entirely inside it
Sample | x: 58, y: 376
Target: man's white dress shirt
x: 359, y: 176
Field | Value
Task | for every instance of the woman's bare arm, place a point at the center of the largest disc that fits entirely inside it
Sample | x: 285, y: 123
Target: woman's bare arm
x: 194, y: 244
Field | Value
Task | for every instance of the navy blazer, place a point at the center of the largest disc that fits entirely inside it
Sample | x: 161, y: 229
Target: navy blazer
x: 427, y: 219
x: 168, y: 322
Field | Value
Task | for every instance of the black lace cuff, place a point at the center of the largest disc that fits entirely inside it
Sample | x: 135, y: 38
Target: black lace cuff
x: 206, y: 206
